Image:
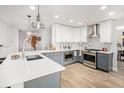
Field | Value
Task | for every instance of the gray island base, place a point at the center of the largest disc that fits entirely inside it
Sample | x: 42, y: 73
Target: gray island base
x: 49, y: 81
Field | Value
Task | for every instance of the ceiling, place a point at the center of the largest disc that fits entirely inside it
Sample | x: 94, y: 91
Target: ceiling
x: 16, y: 15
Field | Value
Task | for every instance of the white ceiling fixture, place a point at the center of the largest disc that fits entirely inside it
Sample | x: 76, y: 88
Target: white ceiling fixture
x: 79, y: 23
x: 71, y: 21
x: 38, y: 24
x: 32, y: 7
x: 111, y: 13
x: 56, y: 17
x: 103, y: 7
x: 120, y: 28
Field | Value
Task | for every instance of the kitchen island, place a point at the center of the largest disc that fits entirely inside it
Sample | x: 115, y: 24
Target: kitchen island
x: 33, y: 74
x: 40, y: 73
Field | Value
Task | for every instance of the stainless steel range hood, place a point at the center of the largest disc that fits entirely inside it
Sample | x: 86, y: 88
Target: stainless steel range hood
x: 94, y: 33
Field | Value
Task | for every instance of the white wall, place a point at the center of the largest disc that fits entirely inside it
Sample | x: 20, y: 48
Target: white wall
x: 119, y: 32
x: 114, y: 46
x: 119, y: 36
x: 45, y: 38
x: 8, y: 38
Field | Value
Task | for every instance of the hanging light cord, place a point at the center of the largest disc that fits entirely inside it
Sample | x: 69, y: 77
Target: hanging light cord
x: 29, y: 22
x: 38, y: 16
x: 38, y: 9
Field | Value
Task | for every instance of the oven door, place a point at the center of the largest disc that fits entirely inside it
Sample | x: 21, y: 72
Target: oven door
x: 68, y: 56
x: 90, y: 60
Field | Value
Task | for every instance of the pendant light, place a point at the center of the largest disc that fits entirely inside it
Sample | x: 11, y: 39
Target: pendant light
x: 29, y: 30
x: 38, y: 24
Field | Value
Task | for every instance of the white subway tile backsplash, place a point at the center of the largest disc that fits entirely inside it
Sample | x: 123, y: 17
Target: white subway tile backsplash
x: 95, y: 43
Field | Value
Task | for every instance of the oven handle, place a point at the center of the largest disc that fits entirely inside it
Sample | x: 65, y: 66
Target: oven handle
x: 90, y: 54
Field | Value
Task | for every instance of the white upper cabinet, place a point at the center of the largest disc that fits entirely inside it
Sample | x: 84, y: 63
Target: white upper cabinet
x: 81, y: 34
x: 67, y: 34
x: 77, y: 35
x: 61, y: 33
x: 106, y: 31
x: 70, y: 37
x: 84, y: 34
x: 58, y: 34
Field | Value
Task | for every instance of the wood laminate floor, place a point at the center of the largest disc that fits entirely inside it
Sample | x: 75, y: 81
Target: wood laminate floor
x: 79, y: 76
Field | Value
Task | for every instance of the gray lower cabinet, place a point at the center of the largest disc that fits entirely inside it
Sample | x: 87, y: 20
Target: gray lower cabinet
x: 49, y: 55
x: 76, y: 57
x: 104, y: 61
x: 55, y: 56
x: 49, y: 81
x: 79, y: 57
x: 59, y: 57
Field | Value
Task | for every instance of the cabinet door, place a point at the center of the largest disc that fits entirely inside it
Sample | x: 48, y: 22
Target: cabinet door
x: 83, y: 34
x: 77, y: 57
x: 58, y: 34
x: 102, y: 61
x: 49, y: 55
x: 57, y: 57
x: 65, y: 35
x: 70, y: 34
x: 77, y: 35
x: 106, y: 31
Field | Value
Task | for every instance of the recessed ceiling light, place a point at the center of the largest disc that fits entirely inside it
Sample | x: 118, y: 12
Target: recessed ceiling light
x: 111, y: 13
x: 103, y: 7
x: 56, y: 17
x: 32, y: 7
x: 71, y: 21
x: 79, y: 23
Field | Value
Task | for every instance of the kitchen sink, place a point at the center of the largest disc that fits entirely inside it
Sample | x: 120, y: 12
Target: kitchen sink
x: 33, y: 57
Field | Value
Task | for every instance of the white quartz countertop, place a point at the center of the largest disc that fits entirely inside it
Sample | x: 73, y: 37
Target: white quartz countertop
x: 107, y: 52
x: 48, y: 51
x: 20, y: 70
x: 17, y: 71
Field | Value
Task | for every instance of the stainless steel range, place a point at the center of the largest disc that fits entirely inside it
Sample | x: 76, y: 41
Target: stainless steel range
x: 90, y: 57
